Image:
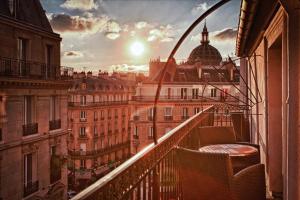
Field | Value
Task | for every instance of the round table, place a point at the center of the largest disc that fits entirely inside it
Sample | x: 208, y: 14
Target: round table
x: 241, y: 155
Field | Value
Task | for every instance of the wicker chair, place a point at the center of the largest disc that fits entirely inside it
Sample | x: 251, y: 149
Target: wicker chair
x: 216, y: 135
x: 209, y: 176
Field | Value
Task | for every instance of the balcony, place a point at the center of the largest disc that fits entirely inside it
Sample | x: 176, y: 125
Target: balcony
x: 99, y: 152
x: 15, y: 68
x: 83, y: 137
x: 168, y: 118
x: 187, y: 98
x: 55, y: 169
x: 184, y: 117
x: 30, y: 129
x: 82, y: 119
x: 97, y: 104
x: 136, y: 177
x: 54, y: 124
x: 30, y: 188
x: 136, y: 118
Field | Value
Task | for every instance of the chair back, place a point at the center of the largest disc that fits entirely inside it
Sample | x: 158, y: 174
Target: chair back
x: 209, y: 135
x: 204, y: 176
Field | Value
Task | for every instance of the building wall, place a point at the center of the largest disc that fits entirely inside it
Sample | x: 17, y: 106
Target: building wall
x: 14, y: 145
x: 112, y: 131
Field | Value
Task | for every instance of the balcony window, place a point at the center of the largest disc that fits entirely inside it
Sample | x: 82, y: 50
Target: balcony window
x: 150, y: 132
x: 23, y: 48
x: 168, y: 113
x: 136, y: 133
x: 95, y: 116
x: 150, y: 114
x: 195, y: 93
x: 185, y: 113
x: 183, y: 93
x: 55, y: 166
x: 102, y: 114
x: 83, y: 115
x: 95, y: 131
x: 213, y: 92
x: 55, y: 122
x: 109, y: 114
x: 116, y: 113
x: 82, y: 164
x: 82, y: 100
x: 48, y: 60
x: 169, y: 93
x: 196, y: 110
x: 30, y: 186
x: 29, y: 127
x: 82, y: 132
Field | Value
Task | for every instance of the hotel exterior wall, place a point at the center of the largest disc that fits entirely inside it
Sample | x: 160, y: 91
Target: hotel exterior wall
x: 280, y: 153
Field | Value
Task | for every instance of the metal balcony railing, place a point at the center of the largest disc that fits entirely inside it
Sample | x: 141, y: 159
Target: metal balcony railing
x: 168, y: 118
x: 99, y: 152
x: 136, y: 178
x: 54, y: 124
x: 30, y: 188
x: 16, y: 68
x: 30, y: 129
x: 188, y: 98
x: 91, y: 104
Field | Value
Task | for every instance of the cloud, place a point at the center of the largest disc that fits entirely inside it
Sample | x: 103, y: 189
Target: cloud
x: 163, y: 34
x: 200, y: 8
x: 73, y: 54
x: 79, y: 4
x: 128, y: 68
x: 141, y: 25
x: 225, y: 34
x: 86, y: 25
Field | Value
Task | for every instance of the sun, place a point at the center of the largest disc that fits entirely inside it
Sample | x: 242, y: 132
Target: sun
x: 137, y: 48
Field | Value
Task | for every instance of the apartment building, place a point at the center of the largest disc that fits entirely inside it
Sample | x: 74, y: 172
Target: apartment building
x: 98, y: 117
x: 33, y: 105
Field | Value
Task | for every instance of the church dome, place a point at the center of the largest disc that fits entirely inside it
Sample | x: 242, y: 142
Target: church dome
x: 205, y: 53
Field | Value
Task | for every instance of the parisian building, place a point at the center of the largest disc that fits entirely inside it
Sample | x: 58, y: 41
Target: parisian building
x: 33, y: 103
x: 99, y: 126
x: 204, y: 79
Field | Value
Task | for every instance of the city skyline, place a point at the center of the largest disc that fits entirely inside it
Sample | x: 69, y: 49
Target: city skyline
x: 125, y: 35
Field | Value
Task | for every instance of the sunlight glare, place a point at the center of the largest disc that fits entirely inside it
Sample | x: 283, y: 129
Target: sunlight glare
x: 137, y: 48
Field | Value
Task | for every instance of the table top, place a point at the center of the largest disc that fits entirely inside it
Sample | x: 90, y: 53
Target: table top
x: 231, y: 149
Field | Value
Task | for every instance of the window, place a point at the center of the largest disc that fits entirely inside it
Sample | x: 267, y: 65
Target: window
x: 48, y: 59
x: 82, y: 164
x: 22, y: 43
x: 95, y: 116
x: 136, y: 131
x: 28, y: 109
x: 11, y: 5
x: 53, y: 150
x: 150, y: 113
x: 183, y: 93
x: 53, y: 108
x: 95, y: 130
x: 109, y: 114
x: 82, y: 147
x: 102, y: 114
x: 82, y: 100
x: 116, y: 113
x: 213, y: 92
x: 82, y: 115
x: 168, y: 111
x: 185, y: 112
x: 28, y: 169
x: 196, y: 110
x: 195, y: 93
x: 150, y: 133
x: 169, y: 93
x: 82, y: 132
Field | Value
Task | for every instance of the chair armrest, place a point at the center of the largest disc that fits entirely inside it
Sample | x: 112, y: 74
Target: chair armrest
x: 250, y: 184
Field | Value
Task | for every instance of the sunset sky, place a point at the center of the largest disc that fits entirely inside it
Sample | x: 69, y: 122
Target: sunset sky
x: 125, y: 34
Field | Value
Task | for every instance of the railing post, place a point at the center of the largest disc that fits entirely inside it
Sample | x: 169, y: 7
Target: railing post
x: 156, y: 193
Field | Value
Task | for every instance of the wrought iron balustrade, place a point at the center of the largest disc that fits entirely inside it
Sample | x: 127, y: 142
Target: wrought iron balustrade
x: 101, y: 151
x: 30, y: 188
x: 54, y: 124
x: 188, y: 98
x: 15, y: 68
x: 30, y: 129
x: 168, y: 118
x: 95, y: 104
x: 151, y: 172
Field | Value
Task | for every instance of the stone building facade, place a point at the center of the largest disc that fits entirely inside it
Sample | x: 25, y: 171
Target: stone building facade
x: 189, y: 87
x: 268, y: 40
x: 33, y: 103
x: 98, y: 117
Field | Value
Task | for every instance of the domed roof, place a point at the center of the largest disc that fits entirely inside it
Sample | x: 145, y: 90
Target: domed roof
x: 205, y: 53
